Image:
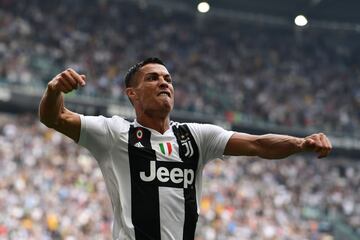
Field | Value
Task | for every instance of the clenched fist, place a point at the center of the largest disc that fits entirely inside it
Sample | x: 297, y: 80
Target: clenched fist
x: 318, y: 143
x: 67, y: 81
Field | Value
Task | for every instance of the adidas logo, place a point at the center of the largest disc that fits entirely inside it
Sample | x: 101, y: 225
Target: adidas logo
x: 138, y: 145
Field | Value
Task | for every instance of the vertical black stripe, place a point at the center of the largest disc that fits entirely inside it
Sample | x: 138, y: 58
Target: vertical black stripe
x: 184, y: 137
x: 144, y: 196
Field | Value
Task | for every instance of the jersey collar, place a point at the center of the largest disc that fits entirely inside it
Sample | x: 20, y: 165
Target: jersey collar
x: 168, y: 132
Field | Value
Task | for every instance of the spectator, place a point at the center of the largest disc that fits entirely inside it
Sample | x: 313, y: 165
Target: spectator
x: 312, y: 82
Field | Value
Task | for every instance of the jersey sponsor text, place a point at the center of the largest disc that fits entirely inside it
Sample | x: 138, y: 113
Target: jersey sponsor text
x: 178, y: 177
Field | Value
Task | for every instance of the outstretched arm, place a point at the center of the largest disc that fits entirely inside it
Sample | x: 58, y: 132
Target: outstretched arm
x: 52, y: 111
x: 274, y: 146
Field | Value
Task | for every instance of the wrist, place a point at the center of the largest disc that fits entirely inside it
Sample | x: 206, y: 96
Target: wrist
x: 52, y: 89
x: 300, y: 144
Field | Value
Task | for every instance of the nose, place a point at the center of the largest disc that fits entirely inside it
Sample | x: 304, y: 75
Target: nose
x: 163, y: 83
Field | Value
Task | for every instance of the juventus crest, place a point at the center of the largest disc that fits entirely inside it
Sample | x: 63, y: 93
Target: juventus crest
x: 188, y: 146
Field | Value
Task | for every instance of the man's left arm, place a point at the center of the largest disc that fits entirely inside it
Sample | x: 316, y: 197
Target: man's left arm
x: 274, y: 146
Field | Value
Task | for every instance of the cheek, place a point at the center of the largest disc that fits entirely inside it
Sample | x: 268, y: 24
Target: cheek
x: 147, y: 99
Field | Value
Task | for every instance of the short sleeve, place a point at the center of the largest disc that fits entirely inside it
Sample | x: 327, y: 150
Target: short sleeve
x: 94, y: 134
x: 211, y: 140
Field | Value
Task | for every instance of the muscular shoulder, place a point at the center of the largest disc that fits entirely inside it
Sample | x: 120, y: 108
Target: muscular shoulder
x: 210, y: 138
x: 117, y: 123
x: 100, y: 130
x: 104, y: 125
x: 203, y: 132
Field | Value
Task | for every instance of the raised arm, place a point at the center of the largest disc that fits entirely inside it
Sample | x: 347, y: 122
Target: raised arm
x: 274, y: 146
x: 52, y: 111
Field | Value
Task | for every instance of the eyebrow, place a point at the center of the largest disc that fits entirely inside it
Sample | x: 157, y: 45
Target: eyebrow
x: 157, y: 74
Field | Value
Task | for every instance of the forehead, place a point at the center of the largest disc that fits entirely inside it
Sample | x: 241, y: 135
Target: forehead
x: 153, y: 68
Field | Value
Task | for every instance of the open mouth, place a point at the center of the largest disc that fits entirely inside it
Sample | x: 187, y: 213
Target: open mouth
x: 164, y: 93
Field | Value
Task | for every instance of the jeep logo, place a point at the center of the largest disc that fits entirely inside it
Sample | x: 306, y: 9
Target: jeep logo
x: 167, y: 176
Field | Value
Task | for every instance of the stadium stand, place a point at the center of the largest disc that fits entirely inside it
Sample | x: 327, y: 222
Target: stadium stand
x: 309, y: 79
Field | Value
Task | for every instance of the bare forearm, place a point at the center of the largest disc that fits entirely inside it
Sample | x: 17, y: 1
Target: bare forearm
x: 51, y: 106
x: 273, y: 146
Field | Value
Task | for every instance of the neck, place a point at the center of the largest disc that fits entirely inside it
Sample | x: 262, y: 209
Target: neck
x: 160, y: 124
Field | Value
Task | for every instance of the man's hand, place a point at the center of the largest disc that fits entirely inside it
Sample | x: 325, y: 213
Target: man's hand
x: 318, y: 143
x: 67, y: 81
x: 52, y: 111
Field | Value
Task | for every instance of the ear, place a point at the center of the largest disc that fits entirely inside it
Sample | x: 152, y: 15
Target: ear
x: 131, y: 93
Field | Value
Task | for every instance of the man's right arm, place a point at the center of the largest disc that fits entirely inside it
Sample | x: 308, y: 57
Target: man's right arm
x: 52, y: 111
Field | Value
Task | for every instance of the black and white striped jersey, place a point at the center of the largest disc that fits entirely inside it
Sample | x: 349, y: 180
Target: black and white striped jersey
x: 153, y: 179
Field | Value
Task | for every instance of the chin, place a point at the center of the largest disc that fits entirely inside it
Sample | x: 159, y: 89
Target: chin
x: 167, y: 109
x: 168, y: 105
x: 160, y: 111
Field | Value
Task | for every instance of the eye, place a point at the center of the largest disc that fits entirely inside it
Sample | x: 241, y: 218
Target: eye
x: 168, y: 79
x: 152, y: 77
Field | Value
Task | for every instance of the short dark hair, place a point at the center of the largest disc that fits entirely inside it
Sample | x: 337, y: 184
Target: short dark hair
x: 129, y: 77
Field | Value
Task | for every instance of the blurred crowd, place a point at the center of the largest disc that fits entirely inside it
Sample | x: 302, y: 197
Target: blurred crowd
x: 292, y: 199
x: 52, y: 189
x: 49, y: 187
x: 294, y: 78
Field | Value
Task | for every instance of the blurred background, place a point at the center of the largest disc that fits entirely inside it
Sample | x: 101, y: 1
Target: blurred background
x: 290, y: 67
